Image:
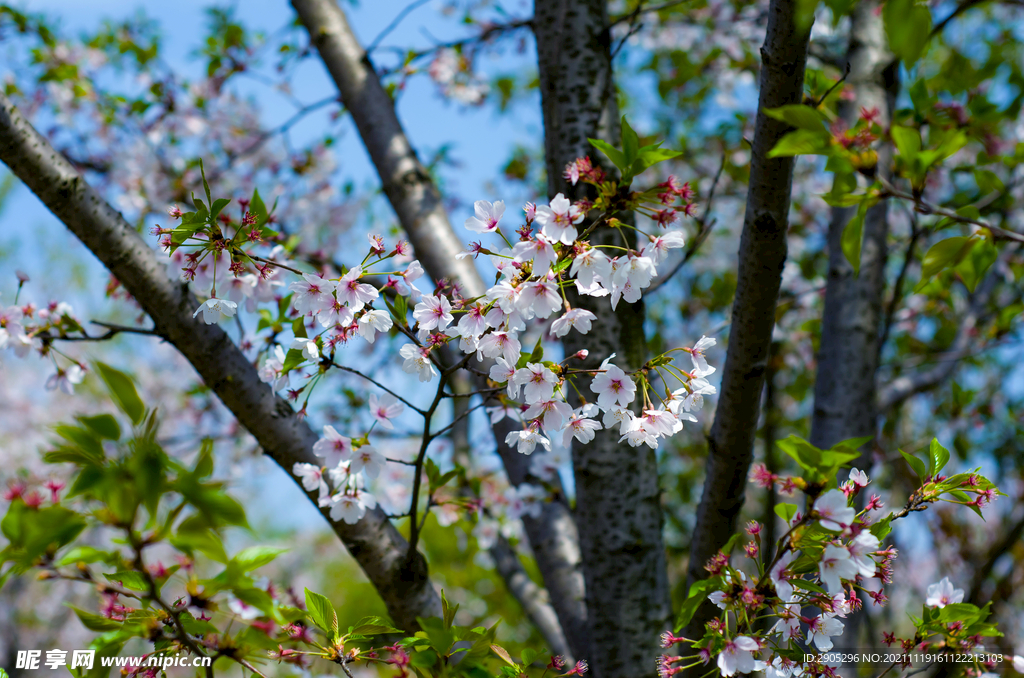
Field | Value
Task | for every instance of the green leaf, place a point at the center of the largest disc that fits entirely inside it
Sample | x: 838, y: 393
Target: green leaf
x: 372, y: 626
x: 698, y: 592
x: 802, y: 142
x: 907, y: 140
x: 937, y: 457
x: 258, y: 208
x: 206, y: 186
x: 528, y: 656
x: 916, y: 464
x: 129, y: 579
x: 292, y: 359
x: 943, y: 254
x: 218, y: 205
x: 95, y: 622
x: 498, y: 649
x: 322, y: 613
x: 103, y: 425
x: 882, y: 528
x: 853, y: 239
x: 255, y: 557
x: 908, y: 24
x: 614, y: 154
x: 975, y: 264
x: 123, y: 391
x: 786, y: 511
x: 807, y: 585
x: 799, y: 116
x: 538, y: 351
x: 630, y: 142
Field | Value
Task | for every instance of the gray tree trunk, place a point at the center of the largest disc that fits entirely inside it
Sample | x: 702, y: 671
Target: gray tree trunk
x: 762, y: 254
x: 618, y: 510
x: 844, y: 388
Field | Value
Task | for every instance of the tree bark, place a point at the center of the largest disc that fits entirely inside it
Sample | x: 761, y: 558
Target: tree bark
x: 762, y: 254
x: 417, y: 203
x: 844, y: 388
x: 618, y: 507
x: 374, y: 542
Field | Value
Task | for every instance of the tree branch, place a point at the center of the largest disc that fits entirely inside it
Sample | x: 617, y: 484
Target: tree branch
x: 908, y: 385
x: 762, y: 254
x: 374, y: 542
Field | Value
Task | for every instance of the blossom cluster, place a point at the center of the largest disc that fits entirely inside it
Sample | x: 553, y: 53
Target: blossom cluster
x: 26, y: 329
x: 830, y: 559
x: 551, y: 256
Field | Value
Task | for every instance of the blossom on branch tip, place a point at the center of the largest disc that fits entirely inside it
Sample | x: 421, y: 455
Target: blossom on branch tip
x: 66, y: 378
x: 487, y: 216
x: 367, y: 460
x: 538, y: 380
x: 613, y: 387
x: 214, y: 309
x: 372, y: 322
x: 738, y: 657
x: 433, y: 312
x: 333, y: 447
x: 558, y: 220
x: 312, y: 478
x: 417, y: 361
x: 579, y: 318
x: 942, y: 593
x: 312, y: 294
x: 385, y: 408
x: 834, y: 511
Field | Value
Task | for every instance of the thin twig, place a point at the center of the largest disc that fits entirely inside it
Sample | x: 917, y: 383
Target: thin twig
x: 378, y: 385
x: 702, y: 234
x: 924, y: 207
x: 394, y: 24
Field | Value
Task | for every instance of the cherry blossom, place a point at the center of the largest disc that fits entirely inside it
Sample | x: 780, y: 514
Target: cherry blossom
x: 309, y: 349
x: 312, y: 478
x: 65, y: 379
x: 214, y: 310
x: 526, y: 440
x: 942, y: 593
x: 613, y: 387
x: 367, y: 460
x: 272, y: 370
x: 834, y: 511
x: 821, y: 630
x: 581, y: 428
x: 738, y: 657
x: 417, y: 361
x: 385, y: 408
x: 353, y: 292
x: 578, y: 318
x: 487, y: 216
x: 558, y: 219
x: 333, y: 447
x: 312, y: 294
x: 433, y: 312
x: 835, y: 566
x: 538, y: 382
x: 372, y: 322
x: 351, y: 507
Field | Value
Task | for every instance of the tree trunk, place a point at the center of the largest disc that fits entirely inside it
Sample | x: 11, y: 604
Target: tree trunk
x: 844, y: 389
x: 762, y: 254
x: 618, y: 509
x: 374, y: 542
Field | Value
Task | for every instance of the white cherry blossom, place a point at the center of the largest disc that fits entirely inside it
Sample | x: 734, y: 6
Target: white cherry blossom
x: 385, y: 408
x: 942, y: 593
x: 215, y: 309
